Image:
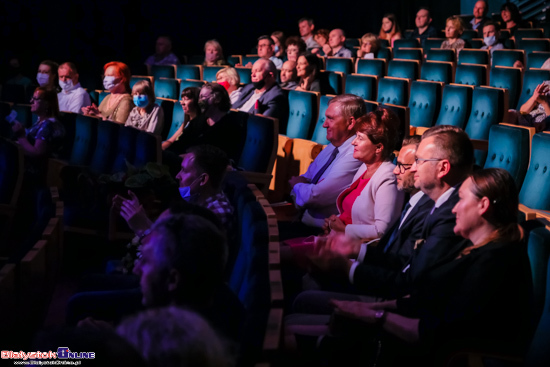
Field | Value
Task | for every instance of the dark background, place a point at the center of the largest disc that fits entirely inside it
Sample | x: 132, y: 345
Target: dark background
x: 91, y: 33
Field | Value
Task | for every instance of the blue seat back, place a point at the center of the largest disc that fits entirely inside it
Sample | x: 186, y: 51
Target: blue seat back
x: 471, y: 75
x: 363, y: 86
x: 125, y: 149
x: 167, y: 106
x: 407, y: 69
x: 507, y: 57
x: 105, y: 93
x: 147, y: 149
x: 455, y: 106
x: 320, y: 133
x: 234, y: 60
x: 535, y: 192
x: 167, y: 88
x: 163, y: 71
x: 469, y: 34
x: 533, y: 44
x: 244, y: 74
x: 352, y: 42
x: 303, y: 107
x: 94, y: 96
x: 24, y: 114
x: 341, y: 64
x: 440, y: 54
x: 371, y: 106
x: 537, y: 58
x: 473, y: 56
x: 393, y: 91
x: 332, y: 79
x: 424, y: 103
x: 384, y: 53
x: 432, y: 43
x: 437, y: 71
x: 188, y: 72
x: 531, y: 79
x: 84, y: 139
x: 487, y: 110
x: 261, y: 135
x: 104, y: 152
x: 195, y: 59
x: 384, y: 43
x: 209, y: 73
x: 522, y: 33
x: 509, y: 149
x: 178, y: 116
x: 406, y: 43
x: 250, y: 59
x: 184, y: 83
x: 408, y: 54
x: 376, y: 67
x: 136, y: 78
x: 507, y: 78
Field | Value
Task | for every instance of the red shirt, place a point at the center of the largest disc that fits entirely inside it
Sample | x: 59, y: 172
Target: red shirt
x: 349, y: 197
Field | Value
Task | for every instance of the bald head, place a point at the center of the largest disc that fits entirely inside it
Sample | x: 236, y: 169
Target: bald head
x: 480, y: 9
x: 288, y: 71
x: 336, y: 38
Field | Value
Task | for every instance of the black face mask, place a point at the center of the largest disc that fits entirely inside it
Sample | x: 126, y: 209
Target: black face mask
x: 203, y: 106
x: 259, y: 84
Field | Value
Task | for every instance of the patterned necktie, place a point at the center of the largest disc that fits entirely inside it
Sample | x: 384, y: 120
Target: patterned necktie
x: 324, y: 168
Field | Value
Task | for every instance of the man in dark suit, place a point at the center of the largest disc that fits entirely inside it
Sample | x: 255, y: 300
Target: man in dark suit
x: 263, y: 95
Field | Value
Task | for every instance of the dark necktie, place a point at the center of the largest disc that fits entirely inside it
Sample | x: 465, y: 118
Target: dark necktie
x: 324, y: 168
x: 396, y: 230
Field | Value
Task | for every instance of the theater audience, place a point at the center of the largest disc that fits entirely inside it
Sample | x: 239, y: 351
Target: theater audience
x: 72, y: 96
x: 372, y: 203
x: 190, y: 105
x: 453, y: 30
x: 295, y: 47
x: 263, y: 95
x: 332, y: 171
x: 390, y: 30
x: 266, y: 51
x: 306, y: 28
x: 511, y: 17
x: 229, y: 78
x: 491, y: 37
x: 288, y: 75
x: 47, y: 75
x: 424, y: 28
x: 308, y: 71
x: 481, y: 8
x: 213, y: 54
x: 335, y: 46
x: 163, y: 53
x: 147, y: 115
x: 116, y: 106
x: 175, y: 337
x: 369, y: 46
x: 278, y: 38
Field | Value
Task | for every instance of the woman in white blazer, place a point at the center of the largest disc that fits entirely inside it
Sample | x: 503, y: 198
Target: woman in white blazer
x: 372, y: 203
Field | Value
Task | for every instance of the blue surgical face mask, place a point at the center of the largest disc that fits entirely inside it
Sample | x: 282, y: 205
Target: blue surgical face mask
x: 66, y: 86
x: 109, y: 82
x: 277, y: 48
x: 185, y: 192
x: 489, y: 41
x: 141, y: 100
x: 42, y: 79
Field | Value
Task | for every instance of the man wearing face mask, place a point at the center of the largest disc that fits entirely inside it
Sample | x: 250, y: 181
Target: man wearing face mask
x: 491, y: 37
x: 263, y: 95
x: 72, y: 96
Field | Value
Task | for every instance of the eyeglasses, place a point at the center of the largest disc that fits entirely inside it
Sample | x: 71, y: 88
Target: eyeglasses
x: 403, y: 167
x: 35, y: 99
x: 418, y: 160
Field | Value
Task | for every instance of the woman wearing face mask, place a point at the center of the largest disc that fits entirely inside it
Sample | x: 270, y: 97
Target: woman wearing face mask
x: 230, y: 80
x: 118, y: 104
x: 279, y: 38
x: 147, y: 115
x: 213, y: 54
x: 190, y: 105
x: 390, y: 30
x: 47, y: 75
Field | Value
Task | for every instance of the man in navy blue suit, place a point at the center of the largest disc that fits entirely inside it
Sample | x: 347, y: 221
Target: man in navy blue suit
x: 263, y: 95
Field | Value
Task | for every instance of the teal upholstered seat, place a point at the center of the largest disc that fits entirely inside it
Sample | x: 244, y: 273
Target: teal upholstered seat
x: 407, y: 69
x: 125, y: 148
x: 437, y: 71
x: 148, y: 149
x: 376, y: 67
x: 261, y: 136
x: 455, y: 105
x: 234, y: 60
x: 244, y: 74
x: 167, y: 106
x: 408, y: 54
x: 24, y: 114
x: 522, y: 33
x: 163, y: 71
x: 507, y: 78
x: 250, y: 59
x: 341, y: 64
x: 440, y: 54
x: 509, y: 148
x: 84, y: 140
x: 209, y: 73
x: 384, y: 53
x: 104, y: 94
x: 105, y: 148
x: 384, y: 43
x: 531, y: 79
x: 507, y: 57
x: 470, y: 74
x: 424, y: 103
x: 303, y: 107
x: 178, y: 116
x: 469, y: 34
x: 535, y: 192
x: 136, y: 78
x: 167, y: 88
x: 537, y: 58
x: 187, y: 83
x: 188, y: 72
x: 363, y: 86
x: 473, y: 56
x: 352, y: 42
x: 334, y: 79
x: 409, y: 43
x: 432, y: 43
x: 371, y: 106
x: 533, y: 44
x: 195, y: 59
x: 320, y: 133
x: 393, y: 91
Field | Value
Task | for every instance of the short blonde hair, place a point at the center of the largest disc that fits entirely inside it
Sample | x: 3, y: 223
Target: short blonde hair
x: 230, y: 74
x: 372, y: 39
x: 216, y: 45
x: 458, y: 23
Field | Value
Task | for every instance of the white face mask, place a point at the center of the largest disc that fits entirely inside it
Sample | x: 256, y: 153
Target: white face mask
x: 489, y: 41
x: 109, y: 82
x: 66, y: 86
x: 42, y: 79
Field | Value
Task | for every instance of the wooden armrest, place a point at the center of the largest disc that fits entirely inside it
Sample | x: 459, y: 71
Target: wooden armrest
x: 530, y: 214
x: 286, y: 212
x: 420, y: 130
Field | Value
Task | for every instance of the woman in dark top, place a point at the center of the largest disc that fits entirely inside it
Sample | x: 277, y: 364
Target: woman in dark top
x: 511, y: 17
x: 480, y: 298
x: 190, y: 105
x: 307, y: 69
